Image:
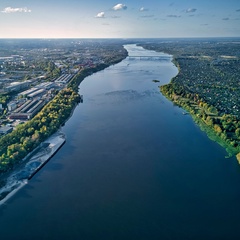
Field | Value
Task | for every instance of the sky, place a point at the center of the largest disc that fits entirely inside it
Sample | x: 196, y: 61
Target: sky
x: 119, y: 19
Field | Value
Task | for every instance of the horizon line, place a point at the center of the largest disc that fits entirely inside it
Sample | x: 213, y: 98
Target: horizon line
x: 123, y: 38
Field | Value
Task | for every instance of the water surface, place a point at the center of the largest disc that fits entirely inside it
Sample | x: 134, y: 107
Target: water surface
x: 133, y: 167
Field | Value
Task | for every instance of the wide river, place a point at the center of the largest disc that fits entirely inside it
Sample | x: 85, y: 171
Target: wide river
x: 133, y: 167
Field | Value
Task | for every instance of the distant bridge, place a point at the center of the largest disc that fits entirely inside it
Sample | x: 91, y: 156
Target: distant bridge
x: 150, y: 57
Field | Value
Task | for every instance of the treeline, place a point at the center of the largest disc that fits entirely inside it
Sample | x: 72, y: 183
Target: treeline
x: 84, y: 73
x: 226, y: 126
x: 16, y: 145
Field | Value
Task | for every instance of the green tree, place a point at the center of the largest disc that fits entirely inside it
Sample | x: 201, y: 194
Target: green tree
x: 217, y: 128
x: 237, y: 132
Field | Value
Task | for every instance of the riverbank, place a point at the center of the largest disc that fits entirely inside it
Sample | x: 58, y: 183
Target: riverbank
x: 55, y: 113
x: 207, y: 87
x: 208, y: 122
x: 29, y: 167
x: 26, y: 137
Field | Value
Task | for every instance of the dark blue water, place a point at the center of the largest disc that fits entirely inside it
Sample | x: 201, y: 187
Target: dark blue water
x: 133, y: 167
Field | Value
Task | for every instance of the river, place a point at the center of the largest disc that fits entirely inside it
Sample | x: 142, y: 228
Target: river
x: 133, y: 167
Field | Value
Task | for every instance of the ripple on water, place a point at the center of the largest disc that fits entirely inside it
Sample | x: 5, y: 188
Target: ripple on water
x: 123, y: 96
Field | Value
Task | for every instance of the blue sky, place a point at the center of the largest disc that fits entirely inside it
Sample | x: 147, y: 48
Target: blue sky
x: 119, y: 19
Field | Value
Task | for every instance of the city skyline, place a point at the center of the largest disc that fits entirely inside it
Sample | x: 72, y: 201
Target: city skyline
x: 123, y: 19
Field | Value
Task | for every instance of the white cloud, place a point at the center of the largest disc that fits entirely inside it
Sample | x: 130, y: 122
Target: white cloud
x: 119, y: 6
x: 173, y: 16
x: 100, y: 15
x: 143, y: 9
x: 147, y: 16
x: 14, y: 10
x: 191, y: 10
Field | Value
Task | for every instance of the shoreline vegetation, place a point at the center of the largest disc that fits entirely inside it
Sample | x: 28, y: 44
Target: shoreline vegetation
x: 207, y: 87
x: 27, y: 137
x: 221, y: 128
x: 209, y: 122
x: 30, y: 165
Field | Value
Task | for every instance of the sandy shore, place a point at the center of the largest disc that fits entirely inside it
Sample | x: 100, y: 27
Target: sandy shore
x: 20, y: 177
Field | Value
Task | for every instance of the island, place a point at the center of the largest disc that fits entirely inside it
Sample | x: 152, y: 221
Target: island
x: 207, y: 85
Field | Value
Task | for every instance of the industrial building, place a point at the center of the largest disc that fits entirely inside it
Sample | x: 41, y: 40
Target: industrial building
x: 27, y: 111
x: 45, y: 85
x: 5, y: 130
x: 64, y: 78
x: 12, y: 106
x: 17, y: 86
x: 25, y: 93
